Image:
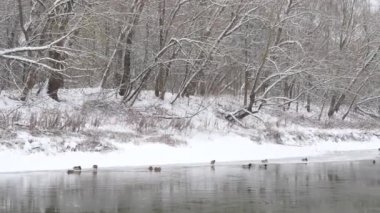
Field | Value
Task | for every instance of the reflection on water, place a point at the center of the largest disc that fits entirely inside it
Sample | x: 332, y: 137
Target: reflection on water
x: 330, y: 187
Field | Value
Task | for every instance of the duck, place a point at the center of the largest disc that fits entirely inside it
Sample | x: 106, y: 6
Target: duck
x: 212, y: 162
x: 264, y: 161
x: 94, y: 168
x: 264, y: 166
x: 248, y: 166
x: 157, y: 169
x: 150, y: 168
x: 75, y: 170
x: 72, y: 171
x: 304, y: 159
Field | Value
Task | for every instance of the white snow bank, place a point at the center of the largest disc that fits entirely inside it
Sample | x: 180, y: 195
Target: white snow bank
x: 201, y: 148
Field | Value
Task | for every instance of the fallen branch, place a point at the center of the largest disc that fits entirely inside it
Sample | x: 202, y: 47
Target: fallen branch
x: 231, y: 117
x: 370, y: 114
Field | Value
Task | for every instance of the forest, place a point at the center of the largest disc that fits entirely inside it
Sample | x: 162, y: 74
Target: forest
x: 307, y: 53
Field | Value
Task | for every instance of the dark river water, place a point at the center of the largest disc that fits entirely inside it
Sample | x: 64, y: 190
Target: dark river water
x: 321, y: 187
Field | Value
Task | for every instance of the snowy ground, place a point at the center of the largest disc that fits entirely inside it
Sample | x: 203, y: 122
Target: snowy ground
x: 89, y: 127
x: 200, y: 150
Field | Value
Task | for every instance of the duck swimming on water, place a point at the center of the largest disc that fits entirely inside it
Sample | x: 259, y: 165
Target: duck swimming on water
x: 72, y: 171
x: 95, y: 169
x: 264, y: 166
x: 248, y: 166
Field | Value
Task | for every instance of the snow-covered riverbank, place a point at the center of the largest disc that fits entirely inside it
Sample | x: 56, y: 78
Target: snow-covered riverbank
x: 199, y: 150
x: 89, y: 127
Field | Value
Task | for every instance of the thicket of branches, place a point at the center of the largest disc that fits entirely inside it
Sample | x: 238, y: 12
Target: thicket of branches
x: 320, y: 52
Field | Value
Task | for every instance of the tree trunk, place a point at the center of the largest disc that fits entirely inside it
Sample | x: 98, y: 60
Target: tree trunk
x: 308, y: 102
x: 56, y: 79
x: 29, y: 83
x: 246, y: 72
x: 291, y: 91
x: 332, y: 105
x: 355, y: 97
x: 29, y: 73
x: 322, y: 108
x: 246, y: 85
x: 54, y: 84
x: 163, y: 85
x: 160, y: 78
x: 252, y: 96
x: 339, y: 102
x: 286, y: 92
x: 125, y: 81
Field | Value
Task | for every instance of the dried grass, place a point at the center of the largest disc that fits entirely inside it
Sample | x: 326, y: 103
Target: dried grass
x: 56, y: 120
x: 10, y: 119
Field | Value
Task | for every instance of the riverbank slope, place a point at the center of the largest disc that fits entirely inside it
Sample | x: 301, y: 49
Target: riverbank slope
x: 91, y: 127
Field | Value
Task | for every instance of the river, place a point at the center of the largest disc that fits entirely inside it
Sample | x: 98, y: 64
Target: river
x: 294, y: 188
